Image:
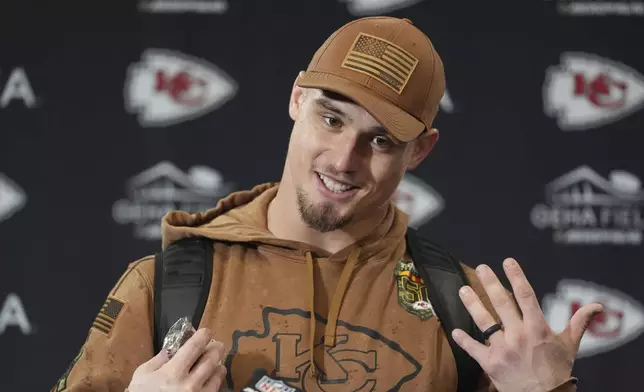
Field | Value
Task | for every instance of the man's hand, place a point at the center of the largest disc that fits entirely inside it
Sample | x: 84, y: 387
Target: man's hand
x: 526, y: 355
x: 196, y: 367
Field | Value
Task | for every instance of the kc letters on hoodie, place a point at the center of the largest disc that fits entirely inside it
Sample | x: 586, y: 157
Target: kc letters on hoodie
x: 373, y: 330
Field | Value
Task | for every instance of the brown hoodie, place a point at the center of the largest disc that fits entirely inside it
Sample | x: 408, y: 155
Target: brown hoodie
x: 370, y: 332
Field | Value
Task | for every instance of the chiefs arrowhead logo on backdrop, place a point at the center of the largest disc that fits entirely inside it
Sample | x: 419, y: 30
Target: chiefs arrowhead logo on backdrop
x: 418, y: 200
x: 586, y: 91
x: 373, y: 7
x: 621, y: 322
x: 168, y: 87
x: 12, y: 198
x: 446, y: 102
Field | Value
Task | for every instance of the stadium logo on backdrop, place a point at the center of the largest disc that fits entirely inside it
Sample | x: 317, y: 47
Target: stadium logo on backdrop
x: 164, y: 188
x: 586, y: 91
x: 376, y: 7
x: 621, y: 321
x: 418, y: 200
x: 12, y: 198
x: 16, y: 88
x: 168, y: 88
x: 13, y: 315
x: 181, y: 6
x: 582, y: 207
x: 599, y: 7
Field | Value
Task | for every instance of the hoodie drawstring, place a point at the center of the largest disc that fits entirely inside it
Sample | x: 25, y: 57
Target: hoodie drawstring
x: 309, y: 262
x: 336, y: 303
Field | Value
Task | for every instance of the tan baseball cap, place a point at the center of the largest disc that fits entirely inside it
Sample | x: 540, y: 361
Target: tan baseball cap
x: 387, y: 66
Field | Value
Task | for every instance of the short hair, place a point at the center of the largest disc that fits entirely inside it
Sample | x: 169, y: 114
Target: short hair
x: 337, y: 96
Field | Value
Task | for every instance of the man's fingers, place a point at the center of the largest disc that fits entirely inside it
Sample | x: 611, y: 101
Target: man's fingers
x: 217, y: 379
x: 206, y: 365
x: 580, y: 321
x: 523, y: 291
x: 499, y: 297
x: 475, y: 349
x: 154, y: 363
x: 191, y: 350
x: 477, y: 310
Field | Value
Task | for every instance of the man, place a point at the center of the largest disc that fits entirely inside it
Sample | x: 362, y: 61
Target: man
x: 305, y: 272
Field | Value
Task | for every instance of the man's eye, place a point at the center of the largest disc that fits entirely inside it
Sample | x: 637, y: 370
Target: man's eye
x: 332, y: 121
x: 382, y: 142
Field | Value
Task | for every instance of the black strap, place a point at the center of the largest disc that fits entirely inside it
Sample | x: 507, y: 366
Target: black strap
x: 182, y: 276
x: 443, y: 277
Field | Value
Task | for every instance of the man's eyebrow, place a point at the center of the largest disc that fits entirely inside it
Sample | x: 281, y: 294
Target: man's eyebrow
x: 376, y: 130
x: 328, y: 105
x: 380, y: 130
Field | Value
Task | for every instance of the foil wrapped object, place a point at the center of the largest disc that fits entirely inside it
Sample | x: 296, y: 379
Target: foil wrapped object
x: 177, y: 335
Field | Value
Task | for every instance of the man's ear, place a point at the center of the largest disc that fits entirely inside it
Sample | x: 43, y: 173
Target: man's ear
x: 423, y: 145
x: 295, y: 102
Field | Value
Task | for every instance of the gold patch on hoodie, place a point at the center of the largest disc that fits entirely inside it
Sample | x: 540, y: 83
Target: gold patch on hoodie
x: 61, y: 384
x: 412, y: 292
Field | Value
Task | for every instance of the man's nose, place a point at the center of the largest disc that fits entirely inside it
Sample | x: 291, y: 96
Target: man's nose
x: 347, y: 155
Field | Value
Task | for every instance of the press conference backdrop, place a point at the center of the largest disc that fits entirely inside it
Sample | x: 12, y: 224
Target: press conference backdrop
x: 113, y: 115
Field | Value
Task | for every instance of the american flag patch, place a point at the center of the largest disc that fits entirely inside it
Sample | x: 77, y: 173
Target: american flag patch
x: 382, y: 60
x: 108, y: 314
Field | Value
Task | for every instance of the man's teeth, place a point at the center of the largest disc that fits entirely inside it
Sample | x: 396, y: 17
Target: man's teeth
x: 334, y: 186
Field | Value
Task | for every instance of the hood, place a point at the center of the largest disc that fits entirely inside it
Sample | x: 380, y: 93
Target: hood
x: 242, y: 218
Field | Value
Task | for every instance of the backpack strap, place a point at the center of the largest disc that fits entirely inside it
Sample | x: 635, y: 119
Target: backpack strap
x: 182, y: 276
x: 443, y: 277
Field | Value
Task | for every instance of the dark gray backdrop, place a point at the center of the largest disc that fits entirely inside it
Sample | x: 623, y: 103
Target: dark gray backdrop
x: 77, y: 201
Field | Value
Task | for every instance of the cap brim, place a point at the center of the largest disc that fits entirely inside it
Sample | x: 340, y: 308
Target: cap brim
x: 396, y: 121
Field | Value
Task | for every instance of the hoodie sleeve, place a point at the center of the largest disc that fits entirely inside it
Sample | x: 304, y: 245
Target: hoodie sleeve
x: 120, y: 338
x: 570, y: 385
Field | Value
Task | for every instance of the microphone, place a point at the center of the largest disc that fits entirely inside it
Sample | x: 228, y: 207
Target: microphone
x: 260, y: 381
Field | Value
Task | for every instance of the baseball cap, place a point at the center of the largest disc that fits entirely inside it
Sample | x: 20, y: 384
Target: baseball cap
x: 387, y: 66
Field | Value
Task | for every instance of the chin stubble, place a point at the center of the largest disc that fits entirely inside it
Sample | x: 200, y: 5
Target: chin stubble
x: 322, y: 219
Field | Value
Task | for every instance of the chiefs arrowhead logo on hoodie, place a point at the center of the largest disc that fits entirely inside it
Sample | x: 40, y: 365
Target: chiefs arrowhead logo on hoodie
x: 587, y: 91
x: 168, y: 87
x: 353, y: 364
